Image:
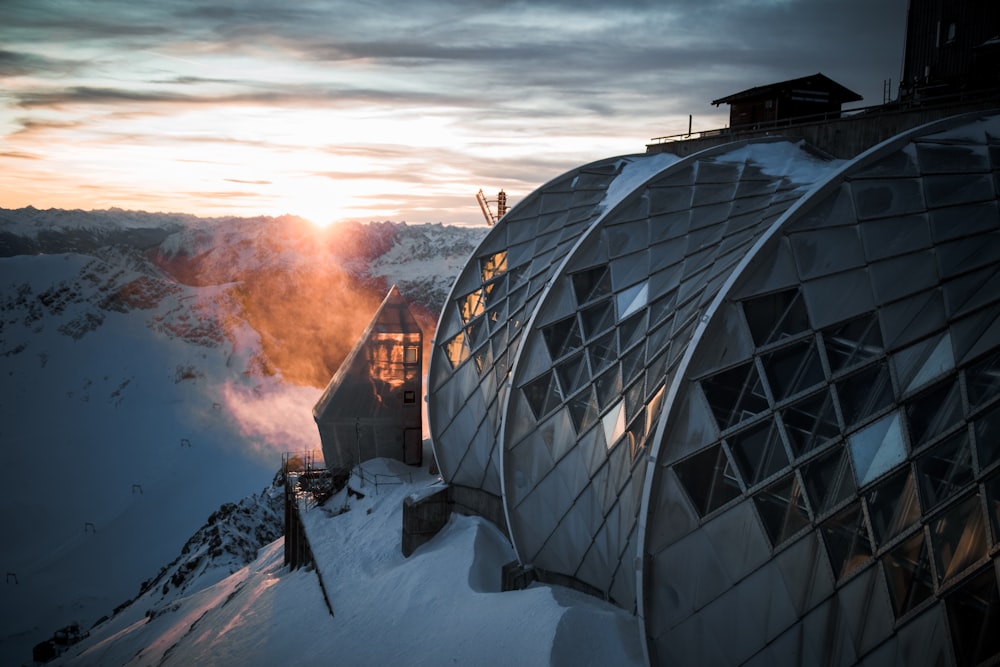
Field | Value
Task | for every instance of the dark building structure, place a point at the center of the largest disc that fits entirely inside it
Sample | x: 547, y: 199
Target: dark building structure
x: 951, y: 47
x: 371, y: 408
x: 805, y: 96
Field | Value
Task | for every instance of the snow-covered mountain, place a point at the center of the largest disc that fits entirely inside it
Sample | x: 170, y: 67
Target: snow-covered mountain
x: 154, y: 367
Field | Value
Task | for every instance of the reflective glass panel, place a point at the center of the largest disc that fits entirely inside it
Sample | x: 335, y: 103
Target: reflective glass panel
x: 457, y: 349
x: 944, y: 470
x: 892, y: 506
x: 632, y: 299
x: 908, y: 573
x: 603, y: 352
x: 609, y: 387
x: 735, y: 394
x: 853, y: 341
x: 847, y: 540
x: 828, y: 480
x: 923, y: 362
x: 583, y: 409
x: 493, y: 265
x: 782, y: 509
x: 865, y: 393
x: 775, y: 316
x: 959, y: 537
x: 573, y: 373
x: 792, y: 369
x: 934, y: 412
x: 877, y: 448
x: 758, y: 451
x: 708, y: 479
x: 810, y: 423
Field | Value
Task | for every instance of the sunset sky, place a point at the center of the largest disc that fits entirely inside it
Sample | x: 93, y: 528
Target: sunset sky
x: 396, y: 110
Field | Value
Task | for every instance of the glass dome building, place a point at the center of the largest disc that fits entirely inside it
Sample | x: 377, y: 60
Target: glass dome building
x: 751, y: 389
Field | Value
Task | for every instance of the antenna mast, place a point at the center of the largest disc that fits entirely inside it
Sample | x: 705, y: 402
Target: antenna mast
x: 484, y: 205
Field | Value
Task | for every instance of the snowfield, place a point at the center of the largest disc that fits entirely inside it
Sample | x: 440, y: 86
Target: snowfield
x: 442, y: 606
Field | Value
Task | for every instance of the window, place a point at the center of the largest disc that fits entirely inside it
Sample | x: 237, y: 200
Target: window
x: 411, y: 355
x: 409, y: 396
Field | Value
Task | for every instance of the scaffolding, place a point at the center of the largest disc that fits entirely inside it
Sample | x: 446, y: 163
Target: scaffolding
x: 484, y: 205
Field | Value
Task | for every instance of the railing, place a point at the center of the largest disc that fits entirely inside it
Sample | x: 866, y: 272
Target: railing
x: 922, y: 99
x: 381, y: 479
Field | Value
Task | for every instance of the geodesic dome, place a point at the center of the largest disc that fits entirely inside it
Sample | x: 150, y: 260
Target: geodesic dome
x: 760, y: 391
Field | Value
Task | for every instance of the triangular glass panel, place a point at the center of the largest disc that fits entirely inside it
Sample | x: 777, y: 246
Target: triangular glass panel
x: 944, y: 470
x: 603, y: 352
x: 562, y: 337
x: 609, y: 387
x: 973, y: 618
x: 632, y: 299
x: 457, y: 349
x: 708, y: 479
x: 758, y: 451
x: 934, y: 411
x: 865, y: 393
x: 793, y: 369
x: 810, y: 423
x: 959, y: 538
x: 632, y: 330
x: 735, y: 394
x: 614, y: 424
x: 781, y: 509
x: 982, y: 379
x: 583, y: 409
x: 597, y: 318
x: 573, y: 373
x: 908, y: 573
x: 471, y: 305
x: 853, y: 341
x: 542, y: 394
x: 987, y: 428
x: 632, y: 364
x: 892, y: 506
x: 829, y: 480
x: 847, y: 541
x: 493, y: 265
x: 661, y: 309
x: 775, y: 316
x: 923, y: 362
x: 591, y: 284
x: 877, y: 448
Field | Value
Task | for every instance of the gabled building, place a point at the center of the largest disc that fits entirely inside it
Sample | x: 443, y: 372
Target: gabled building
x: 371, y: 408
x: 815, y: 95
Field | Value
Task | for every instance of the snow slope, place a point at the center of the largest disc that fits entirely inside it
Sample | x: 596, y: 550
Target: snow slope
x: 143, y: 385
x: 441, y: 606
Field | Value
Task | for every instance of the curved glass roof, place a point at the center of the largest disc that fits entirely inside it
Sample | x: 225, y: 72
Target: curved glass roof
x: 479, y: 331
x: 752, y: 389
x: 830, y: 472
x: 589, y: 381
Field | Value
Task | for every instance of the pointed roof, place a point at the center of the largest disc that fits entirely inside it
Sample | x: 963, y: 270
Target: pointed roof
x: 818, y: 81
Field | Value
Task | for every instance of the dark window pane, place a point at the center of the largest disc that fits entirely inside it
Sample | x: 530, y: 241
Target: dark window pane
x: 810, y: 423
x: 735, y: 394
x: 661, y: 308
x: 959, y: 537
x: 573, y: 373
x: 591, y: 284
x: 973, y: 617
x: 892, y: 506
x: 983, y: 379
x: 632, y: 330
x: 934, y: 412
x: 637, y: 435
x: 792, y: 369
x: 988, y: 437
x: 853, y: 341
x: 775, y: 316
x: 828, y: 480
x: 908, y: 572
x: 865, y: 392
x: 597, y: 318
x: 847, y: 541
x: 493, y: 265
x: 562, y: 337
x: 609, y: 387
x: 542, y: 394
x: 632, y: 364
x: 945, y: 470
x: 708, y: 479
x: 602, y: 352
x: 583, y: 409
x: 758, y: 452
x: 477, y: 332
x: 781, y: 509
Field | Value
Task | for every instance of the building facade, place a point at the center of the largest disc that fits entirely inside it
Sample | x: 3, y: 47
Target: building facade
x: 754, y: 389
